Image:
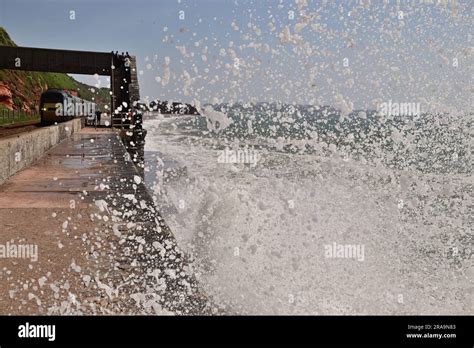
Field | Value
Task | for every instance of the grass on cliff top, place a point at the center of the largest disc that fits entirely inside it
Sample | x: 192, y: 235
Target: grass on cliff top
x: 5, y: 39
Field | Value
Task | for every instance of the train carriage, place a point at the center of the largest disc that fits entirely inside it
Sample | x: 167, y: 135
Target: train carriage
x: 57, y: 105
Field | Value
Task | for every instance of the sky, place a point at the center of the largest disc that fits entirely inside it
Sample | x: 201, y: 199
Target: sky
x: 351, y: 54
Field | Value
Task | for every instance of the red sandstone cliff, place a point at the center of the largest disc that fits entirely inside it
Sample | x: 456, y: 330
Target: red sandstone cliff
x: 6, y: 97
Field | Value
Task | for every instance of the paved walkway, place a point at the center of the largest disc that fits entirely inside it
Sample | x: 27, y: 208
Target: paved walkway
x: 102, y: 247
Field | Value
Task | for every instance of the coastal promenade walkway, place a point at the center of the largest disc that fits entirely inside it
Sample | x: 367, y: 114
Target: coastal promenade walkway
x: 101, y: 248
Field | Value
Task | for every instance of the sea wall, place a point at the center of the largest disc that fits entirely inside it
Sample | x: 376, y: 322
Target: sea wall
x: 21, y: 150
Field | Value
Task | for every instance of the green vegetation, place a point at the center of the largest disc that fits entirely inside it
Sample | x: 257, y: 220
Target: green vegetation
x: 8, y: 116
x: 18, y: 119
x: 5, y: 39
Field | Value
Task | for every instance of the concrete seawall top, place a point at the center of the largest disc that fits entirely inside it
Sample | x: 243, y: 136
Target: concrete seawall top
x: 21, y: 150
x: 102, y: 246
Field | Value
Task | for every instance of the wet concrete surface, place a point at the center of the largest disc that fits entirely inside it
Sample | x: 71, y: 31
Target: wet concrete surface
x: 90, y: 182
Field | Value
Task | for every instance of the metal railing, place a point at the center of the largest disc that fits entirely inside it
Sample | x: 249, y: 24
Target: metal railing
x: 121, y: 120
x: 11, y: 116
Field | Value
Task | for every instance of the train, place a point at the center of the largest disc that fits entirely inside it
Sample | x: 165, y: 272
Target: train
x: 58, y: 105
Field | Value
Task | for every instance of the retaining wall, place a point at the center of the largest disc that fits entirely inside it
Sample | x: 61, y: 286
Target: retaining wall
x: 21, y: 150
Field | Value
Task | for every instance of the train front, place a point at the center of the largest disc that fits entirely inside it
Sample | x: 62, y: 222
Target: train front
x: 49, y: 107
